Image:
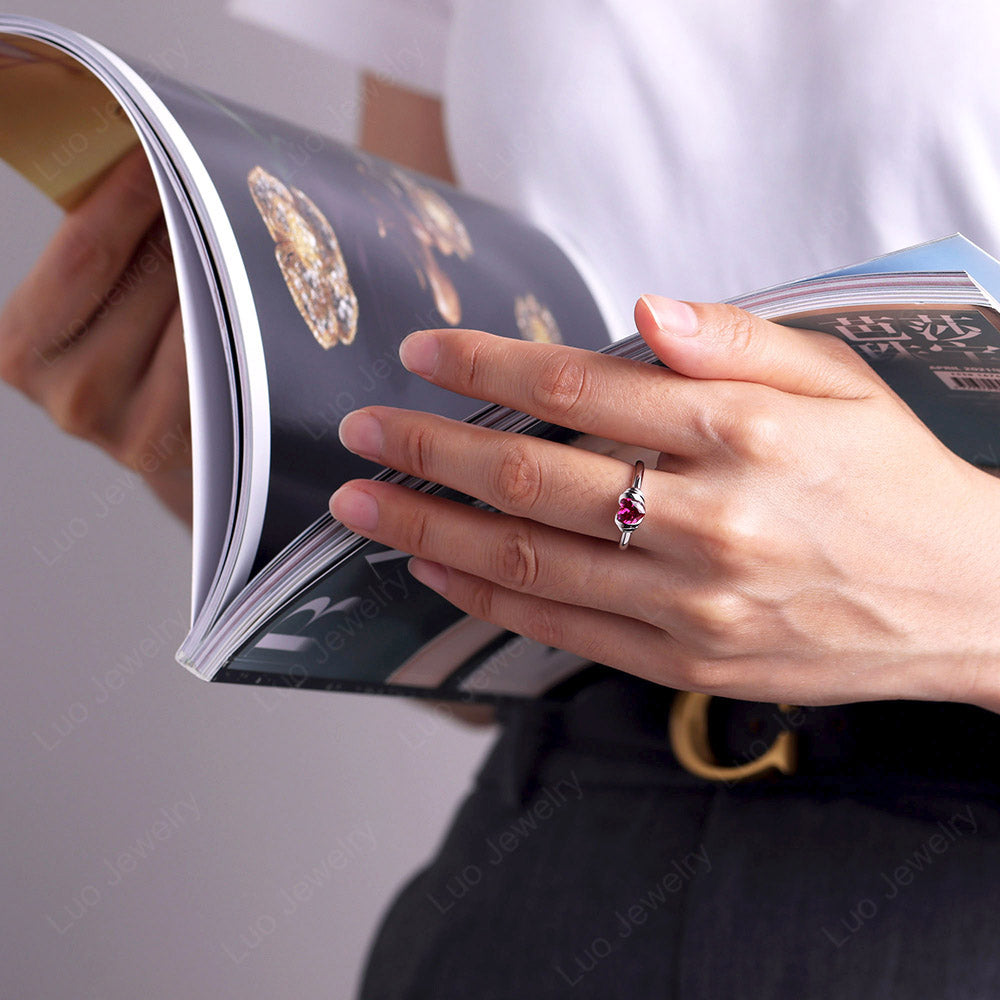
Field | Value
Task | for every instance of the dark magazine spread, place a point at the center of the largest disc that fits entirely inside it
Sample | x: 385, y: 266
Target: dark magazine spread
x: 301, y: 265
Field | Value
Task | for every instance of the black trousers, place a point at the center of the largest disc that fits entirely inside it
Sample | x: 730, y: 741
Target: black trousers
x: 587, y: 863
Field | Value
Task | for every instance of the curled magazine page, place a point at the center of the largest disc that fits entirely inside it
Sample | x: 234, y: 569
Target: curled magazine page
x: 321, y: 260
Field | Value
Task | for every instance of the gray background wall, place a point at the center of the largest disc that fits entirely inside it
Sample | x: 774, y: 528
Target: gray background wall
x: 163, y: 837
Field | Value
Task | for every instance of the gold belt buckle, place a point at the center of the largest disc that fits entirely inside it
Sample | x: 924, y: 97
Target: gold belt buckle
x: 689, y: 741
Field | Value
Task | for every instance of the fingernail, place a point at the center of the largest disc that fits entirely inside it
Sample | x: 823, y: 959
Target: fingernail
x: 673, y: 317
x: 355, y: 508
x: 361, y: 433
x: 430, y: 574
x: 419, y: 352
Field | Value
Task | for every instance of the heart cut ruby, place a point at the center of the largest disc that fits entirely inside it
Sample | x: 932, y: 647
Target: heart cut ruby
x: 629, y: 512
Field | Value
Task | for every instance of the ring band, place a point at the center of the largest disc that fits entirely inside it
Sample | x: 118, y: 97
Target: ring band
x: 631, y: 507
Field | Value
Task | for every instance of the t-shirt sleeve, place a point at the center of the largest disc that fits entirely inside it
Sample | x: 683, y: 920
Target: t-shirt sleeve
x: 403, y: 40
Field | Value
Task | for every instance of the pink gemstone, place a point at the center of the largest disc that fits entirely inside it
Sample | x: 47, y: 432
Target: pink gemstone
x: 629, y: 513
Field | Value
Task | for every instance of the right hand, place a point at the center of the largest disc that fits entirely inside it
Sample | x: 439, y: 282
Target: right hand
x: 93, y: 334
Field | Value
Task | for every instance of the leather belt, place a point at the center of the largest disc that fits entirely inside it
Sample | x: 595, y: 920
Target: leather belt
x: 725, y: 740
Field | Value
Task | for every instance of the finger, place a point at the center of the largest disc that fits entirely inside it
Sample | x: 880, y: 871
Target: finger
x: 515, y: 553
x: 598, y: 636
x: 627, y: 401
x: 717, y: 341
x: 88, y: 389
x: 525, y: 476
x: 154, y: 435
x: 50, y: 310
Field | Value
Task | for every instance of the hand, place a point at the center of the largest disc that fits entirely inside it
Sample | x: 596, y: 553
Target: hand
x: 807, y: 540
x: 93, y: 334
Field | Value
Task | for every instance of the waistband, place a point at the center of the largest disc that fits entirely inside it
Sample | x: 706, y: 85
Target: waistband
x: 620, y: 725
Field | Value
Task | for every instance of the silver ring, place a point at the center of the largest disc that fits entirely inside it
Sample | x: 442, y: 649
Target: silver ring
x: 631, y: 507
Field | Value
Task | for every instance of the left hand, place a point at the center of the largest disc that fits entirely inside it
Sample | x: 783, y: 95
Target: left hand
x: 807, y: 539
x: 93, y: 333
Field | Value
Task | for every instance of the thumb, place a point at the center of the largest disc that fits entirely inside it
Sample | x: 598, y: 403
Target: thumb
x: 718, y: 341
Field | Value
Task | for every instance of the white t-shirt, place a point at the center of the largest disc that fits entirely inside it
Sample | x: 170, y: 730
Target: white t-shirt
x: 701, y: 148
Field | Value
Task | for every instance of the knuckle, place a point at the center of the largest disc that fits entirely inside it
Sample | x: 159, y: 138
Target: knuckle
x: 78, y: 410
x: 417, y: 448
x: 562, y: 386
x: 541, y: 623
x: 839, y: 349
x: 418, y: 531
x: 519, y: 481
x: 471, y: 363
x: 715, y: 423
x: 717, y: 623
x: 480, y: 600
x: 82, y: 254
x: 517, y: 564
x: 759, y: 435
x: 855, y: 374
x: 728, y: 538
x: 740, y: 326
x: 711, y: 429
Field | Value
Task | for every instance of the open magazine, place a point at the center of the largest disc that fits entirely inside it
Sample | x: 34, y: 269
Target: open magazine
x: 301, y: 264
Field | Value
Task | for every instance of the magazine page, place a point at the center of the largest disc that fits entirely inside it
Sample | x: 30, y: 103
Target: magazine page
x: 346, y: 255
x: 323, y: 260
x: 62, y: 127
